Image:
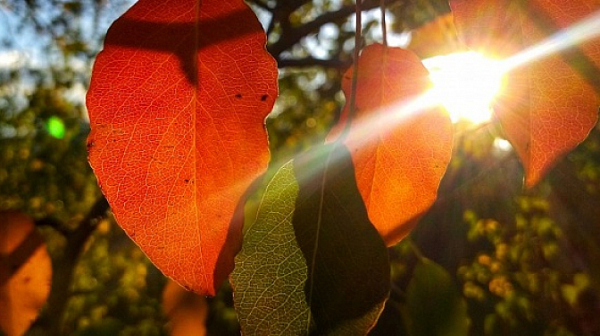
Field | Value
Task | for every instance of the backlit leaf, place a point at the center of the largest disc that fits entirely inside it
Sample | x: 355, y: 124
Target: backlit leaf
x: 177, y: 104
x: 550, y: 103
x: 435, y: 38
x: 400, y: 146
x: 187, y: 311
x: 311, y: 262
x: 25, y: 273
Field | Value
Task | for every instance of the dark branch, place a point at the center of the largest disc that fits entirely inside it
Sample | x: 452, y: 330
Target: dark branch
x: 311, y: 61
x: 55, y: 224
x: 294, y: 35
x: 64, y: 266
x: 282, y: 14
x: 295, y: 4
x: 261, y: 5
x: 96, y: 213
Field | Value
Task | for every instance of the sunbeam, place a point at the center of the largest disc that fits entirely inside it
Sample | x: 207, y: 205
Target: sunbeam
x: 465, y: 84
x: 387, y: 118
x: 577, y: 33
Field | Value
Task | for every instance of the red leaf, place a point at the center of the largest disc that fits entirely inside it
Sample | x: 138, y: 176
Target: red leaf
x: 25, y: 273
x: 551, y: 104
x: 435, y: 38
x: 177, y: 105
x: 400, y: 156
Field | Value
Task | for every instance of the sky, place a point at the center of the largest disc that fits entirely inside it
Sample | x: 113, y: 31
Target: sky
x: 21, y: 47
x: 24, y: 47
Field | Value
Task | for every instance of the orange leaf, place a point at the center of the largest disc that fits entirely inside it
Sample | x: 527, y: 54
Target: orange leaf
x: 187, y: 311
x: 177, y: 104
x: 551, y: 103
x: 400, y: 153
x: 25, y: 273
x: 435, y: 38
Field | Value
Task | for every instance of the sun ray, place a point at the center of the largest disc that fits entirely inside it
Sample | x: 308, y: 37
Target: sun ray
x: 580, y: 32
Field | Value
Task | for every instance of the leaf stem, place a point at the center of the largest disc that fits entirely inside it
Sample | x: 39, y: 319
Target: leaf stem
x: 357, y: 44
x: 416, y: 250
x: 383, y: 23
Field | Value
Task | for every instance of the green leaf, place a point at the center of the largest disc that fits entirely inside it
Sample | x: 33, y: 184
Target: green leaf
x: 311, y: 262
x: 259, y: 271
x: 435, y: 306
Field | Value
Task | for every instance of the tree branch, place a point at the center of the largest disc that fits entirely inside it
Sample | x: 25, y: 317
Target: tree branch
x: 294, y: 35
x: 311, y: 61
x: 64, y: 267
x: 55, y: 224
x: 96, y: 213
x: 261, y: 5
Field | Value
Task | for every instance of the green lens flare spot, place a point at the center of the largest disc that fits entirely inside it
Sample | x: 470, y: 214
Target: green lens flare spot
x: 56, y: 127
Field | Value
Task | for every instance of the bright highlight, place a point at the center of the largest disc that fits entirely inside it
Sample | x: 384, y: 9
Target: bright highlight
x: 56, y: 127
x: 465, y: 84
x: 580, y: 32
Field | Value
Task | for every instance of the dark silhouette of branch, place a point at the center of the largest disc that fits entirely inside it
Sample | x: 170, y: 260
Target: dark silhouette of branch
x: 55, y: 224
x: 64, y: 266
x: 292, y: 36
x: 96, y: 213
x: 281, y: 14
x: 261, y: 5
x: 311, y: 61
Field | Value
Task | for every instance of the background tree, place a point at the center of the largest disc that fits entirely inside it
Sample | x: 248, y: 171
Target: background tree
x: 521, y: 261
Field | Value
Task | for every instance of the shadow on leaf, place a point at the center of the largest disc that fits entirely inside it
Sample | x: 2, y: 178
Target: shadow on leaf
x: 183, y: 39
x: 348, y: 267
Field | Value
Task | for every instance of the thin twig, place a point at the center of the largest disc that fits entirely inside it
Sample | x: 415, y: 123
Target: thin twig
x: 357, y: 43
x: 383, y: 23
x: 416, y: 250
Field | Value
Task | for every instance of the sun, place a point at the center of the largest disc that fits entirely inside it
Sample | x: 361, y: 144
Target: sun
x: 465, y: 84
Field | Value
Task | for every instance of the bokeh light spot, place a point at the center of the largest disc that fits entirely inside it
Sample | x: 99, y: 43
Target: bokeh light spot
x: 56, y: 127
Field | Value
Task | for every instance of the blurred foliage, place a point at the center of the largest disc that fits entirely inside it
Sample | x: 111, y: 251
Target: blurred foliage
x: 114, y: 282
x: 524, y: 261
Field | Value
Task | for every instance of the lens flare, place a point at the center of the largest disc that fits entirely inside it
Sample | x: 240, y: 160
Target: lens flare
x: 578, y: 33
x: 465, y: 84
